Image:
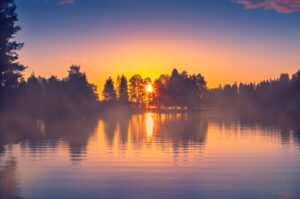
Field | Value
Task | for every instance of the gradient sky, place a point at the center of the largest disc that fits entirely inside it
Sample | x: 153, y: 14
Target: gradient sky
x: 225, y: 40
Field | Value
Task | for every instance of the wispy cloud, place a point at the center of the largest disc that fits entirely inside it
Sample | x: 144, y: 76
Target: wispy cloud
x: 283, y: 6
x: 63, y: 2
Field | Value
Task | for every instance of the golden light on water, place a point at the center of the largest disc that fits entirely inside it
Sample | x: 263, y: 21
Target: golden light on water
x: 149, y: 88
x: 149, y: 124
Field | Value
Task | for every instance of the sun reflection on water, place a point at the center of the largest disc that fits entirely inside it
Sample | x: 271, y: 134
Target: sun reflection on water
x: 149, y: 124
x: 176, y: 153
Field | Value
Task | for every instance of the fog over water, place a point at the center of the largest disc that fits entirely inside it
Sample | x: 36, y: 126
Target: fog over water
x: 150, y: 155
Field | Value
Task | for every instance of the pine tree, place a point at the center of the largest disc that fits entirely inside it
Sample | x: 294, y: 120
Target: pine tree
x: 123, y: 90
x: 109, y: 92
x: 10, y: 69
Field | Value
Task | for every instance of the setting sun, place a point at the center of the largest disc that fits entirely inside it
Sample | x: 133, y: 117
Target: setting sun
x: 149, y: 99
x: 149, y: 88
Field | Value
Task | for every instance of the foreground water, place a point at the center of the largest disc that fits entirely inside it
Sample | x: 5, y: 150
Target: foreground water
x: 199, y: 155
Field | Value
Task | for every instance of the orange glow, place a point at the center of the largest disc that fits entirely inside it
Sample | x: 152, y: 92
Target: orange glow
x: 149, y: 88
x: 150, y: 55
x: 149, y: 124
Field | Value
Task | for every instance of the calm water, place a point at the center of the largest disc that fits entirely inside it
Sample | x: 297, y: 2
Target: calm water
x: 199, y: 155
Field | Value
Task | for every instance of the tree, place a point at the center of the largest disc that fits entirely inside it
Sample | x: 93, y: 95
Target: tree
x: 174, y: 73
x: 179, y: 89
x: 109, y: 92
x: 117, y: 85
x: 80, y: 90
x: 136, y: 89
x: 54, y: 94
x: 142, y: 89
x: 175, y: 86
x: 295, y: 84
x: 195, y: 89
x: 160, y: 89
x: 10, y: 68
x: 123, y: 90
x: 34, y: 94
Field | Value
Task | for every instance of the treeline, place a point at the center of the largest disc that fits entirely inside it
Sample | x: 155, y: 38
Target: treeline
x: 39, y: 96
x: 176, y: 90
x: 274, y: 96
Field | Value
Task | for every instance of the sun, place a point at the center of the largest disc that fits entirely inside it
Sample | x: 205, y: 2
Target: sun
x: 149, y: 88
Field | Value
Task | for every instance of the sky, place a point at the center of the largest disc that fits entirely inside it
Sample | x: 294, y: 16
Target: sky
x: 224, y: 40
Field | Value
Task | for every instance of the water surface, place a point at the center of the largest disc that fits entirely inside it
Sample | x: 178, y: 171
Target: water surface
x: 188, y: 155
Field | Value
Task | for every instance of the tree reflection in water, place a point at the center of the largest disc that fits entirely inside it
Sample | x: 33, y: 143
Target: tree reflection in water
x: 141, y: 139
x: 181, y: 129
x: 38, y: 135
x: 8, y: 180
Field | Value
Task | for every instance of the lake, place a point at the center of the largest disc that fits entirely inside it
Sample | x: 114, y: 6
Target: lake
x: 150, y: 155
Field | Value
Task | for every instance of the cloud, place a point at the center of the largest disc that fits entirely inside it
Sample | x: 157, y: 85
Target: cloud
x: 283, y: 6
x: 63, y: 2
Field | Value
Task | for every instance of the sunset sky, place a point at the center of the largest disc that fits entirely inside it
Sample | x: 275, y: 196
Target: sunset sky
x: 225, y: 40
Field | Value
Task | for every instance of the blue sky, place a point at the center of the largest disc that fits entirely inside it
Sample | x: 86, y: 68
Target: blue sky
x: 214, y: 36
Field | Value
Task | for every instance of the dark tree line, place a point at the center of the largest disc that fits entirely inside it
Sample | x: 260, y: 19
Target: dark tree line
x: 274, y: 96
x: 37, y: 96
x: 179, y: 90
x: 52, y: 96
x: 40, y: 96
x: 175, y: 90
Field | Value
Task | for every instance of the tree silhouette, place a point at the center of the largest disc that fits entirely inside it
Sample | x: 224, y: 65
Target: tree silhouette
x: 34, y: 94
x: 55, y: 95
x: 274, y: 97
x: 160, y: 89
x: 180, y: 89
x: 80, y: 94
x: 109, y: 92
x: 175, y: 73
x: 10, y: 69
x: 123, y: 90
x: 117, y: 85
x: 41, y: 97
x: 136, y: 89
x: 9, y: 182
x: 78, y: 85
